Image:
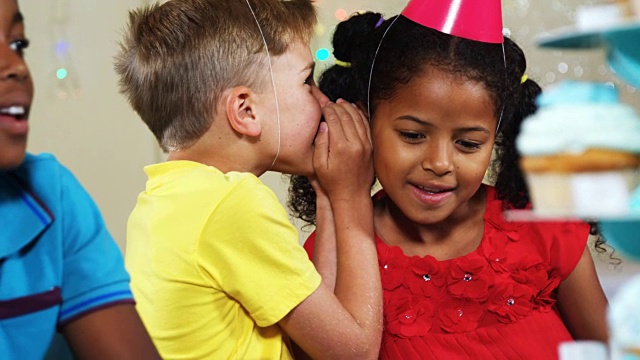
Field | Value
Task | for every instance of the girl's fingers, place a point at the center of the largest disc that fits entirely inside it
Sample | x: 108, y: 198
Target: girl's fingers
x: 332, y: 116
x: 363, y: 129
x: 321, y: 147
x: 350, y: 119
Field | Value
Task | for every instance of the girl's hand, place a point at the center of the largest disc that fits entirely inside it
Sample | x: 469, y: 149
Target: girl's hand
x: 324, y: 254
x: 342, y: 157
x: 345, y: 251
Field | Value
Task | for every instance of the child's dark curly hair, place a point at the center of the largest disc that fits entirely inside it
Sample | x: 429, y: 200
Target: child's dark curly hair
x: 401, y: 49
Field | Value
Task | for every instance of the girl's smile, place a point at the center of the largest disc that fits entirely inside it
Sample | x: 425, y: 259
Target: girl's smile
x: 432, y: 196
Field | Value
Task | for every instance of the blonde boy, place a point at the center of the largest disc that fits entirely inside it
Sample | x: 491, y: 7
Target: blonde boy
x: 226, y: 86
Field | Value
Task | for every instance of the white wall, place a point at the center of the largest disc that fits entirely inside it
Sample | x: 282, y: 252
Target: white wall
x: 96, y: 134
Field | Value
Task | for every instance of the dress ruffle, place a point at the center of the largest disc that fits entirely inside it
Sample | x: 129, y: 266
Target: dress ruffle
x: 495, y: 302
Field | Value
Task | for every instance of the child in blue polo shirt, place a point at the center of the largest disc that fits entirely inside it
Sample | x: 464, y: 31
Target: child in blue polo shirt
x: 59, y: 267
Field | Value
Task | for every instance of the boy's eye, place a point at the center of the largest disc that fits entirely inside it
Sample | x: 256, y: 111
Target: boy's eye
x: 19, y: 45
x: 309, y: 80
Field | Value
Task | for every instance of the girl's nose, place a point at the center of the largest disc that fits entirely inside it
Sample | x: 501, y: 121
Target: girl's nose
x: 438, y: 158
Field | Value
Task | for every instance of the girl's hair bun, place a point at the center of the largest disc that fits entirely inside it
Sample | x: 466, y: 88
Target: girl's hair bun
x: 351, y: 32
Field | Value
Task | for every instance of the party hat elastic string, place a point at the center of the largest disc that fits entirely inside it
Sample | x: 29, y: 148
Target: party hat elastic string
x: 273, y: 81
x: 373, y: 64
x: 504, y: 58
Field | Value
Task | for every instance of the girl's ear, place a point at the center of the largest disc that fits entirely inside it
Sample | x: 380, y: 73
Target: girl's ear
x: 241, y: 114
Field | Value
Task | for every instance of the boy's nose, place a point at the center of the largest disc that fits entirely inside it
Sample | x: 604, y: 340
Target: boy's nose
x: 319, y: 95
x: 438, y: 159
x: 12, y: 65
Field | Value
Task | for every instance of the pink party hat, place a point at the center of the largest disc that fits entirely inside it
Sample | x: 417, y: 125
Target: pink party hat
x: 479, y: 20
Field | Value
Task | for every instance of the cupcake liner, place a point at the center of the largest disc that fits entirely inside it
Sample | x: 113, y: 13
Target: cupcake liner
x: 589, y: 194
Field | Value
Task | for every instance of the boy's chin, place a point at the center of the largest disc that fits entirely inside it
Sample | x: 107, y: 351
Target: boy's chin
x: 303, y: 173
x: 10, y: 161
x: 300, y: 169
x: 308, y: 172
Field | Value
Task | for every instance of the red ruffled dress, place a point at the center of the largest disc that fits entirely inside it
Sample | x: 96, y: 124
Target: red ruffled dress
x: 498, y: 302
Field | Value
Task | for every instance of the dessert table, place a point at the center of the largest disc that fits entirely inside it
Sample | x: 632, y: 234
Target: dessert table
x: 620, y: 38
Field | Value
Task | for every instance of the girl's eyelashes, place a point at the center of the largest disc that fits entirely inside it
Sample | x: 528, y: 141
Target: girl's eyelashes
x: 416, y: 137
x: 19, y: 46
x: 411, y: 136
x: 468, y: 146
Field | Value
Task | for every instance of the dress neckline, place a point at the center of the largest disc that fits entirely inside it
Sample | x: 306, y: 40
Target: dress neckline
x: 492, y: 220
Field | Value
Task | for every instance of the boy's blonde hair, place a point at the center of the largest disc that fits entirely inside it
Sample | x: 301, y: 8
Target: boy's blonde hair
x: 176, y: 59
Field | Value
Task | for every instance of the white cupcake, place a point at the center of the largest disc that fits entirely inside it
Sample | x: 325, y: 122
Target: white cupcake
x: 580, y: 152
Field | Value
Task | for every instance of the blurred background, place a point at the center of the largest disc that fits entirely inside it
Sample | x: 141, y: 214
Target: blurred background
x: 79, y: 115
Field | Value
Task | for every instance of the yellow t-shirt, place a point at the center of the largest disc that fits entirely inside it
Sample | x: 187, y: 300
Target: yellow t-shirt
x: 214, y: 263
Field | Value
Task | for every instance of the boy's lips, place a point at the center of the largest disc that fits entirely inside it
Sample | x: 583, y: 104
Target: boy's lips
x: 13, y: 119
x: 13, y: 125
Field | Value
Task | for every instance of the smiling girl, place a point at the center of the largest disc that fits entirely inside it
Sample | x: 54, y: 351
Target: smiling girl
x: 459, y: 281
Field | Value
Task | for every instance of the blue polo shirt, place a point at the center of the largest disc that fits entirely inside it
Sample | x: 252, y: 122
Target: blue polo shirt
x: 57, y: 259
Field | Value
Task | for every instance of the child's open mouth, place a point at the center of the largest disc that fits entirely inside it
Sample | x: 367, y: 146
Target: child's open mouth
x: 14, y: 119
x: 432, y: 190
x: 15, y: 110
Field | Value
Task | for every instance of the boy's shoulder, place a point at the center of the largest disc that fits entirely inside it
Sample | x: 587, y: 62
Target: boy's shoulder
x: 246, y: 188
x: 193, y: 177
x: 189, y: 172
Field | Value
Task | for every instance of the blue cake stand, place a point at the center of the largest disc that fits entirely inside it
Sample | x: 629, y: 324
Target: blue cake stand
x: 621, y: 41
x: 623, y: 234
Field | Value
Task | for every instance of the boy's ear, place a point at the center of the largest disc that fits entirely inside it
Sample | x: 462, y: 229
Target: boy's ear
x: 241, y: 114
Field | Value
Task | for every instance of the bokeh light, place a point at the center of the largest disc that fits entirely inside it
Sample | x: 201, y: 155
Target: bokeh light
x: 62, y: 48
x: 322, y: 54
x: 341, y: 14
x: 320, y: 29
x: 61, y: 73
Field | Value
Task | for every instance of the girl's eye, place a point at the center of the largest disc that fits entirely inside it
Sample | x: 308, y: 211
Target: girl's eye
x: 410, y: 136
x: 468, y: 145
x: 19, y: 45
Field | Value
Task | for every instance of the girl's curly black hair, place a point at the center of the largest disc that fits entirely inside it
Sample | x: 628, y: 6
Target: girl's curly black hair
x: 401, y: 49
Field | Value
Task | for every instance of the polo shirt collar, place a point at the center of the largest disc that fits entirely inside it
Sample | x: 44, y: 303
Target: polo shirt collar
x: 24, y: 216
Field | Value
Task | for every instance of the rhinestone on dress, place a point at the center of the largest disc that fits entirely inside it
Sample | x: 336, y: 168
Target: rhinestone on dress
x: 511, y: 301
x: 426, y: 277
x: 385, y: 266
x: 460, y: 312
x: 467, y: 277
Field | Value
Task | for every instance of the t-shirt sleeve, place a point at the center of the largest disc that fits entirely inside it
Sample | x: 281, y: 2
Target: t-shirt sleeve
x: 565, y: 242
x: 94, y: 276
x: 250, y: 250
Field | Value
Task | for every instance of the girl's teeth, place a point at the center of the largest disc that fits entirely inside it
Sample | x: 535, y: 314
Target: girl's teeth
x: 430, y: 190
x: 13, y: 110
